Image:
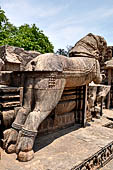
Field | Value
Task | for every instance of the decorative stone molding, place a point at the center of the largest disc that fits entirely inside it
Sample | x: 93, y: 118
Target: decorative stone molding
x: 29, y: 132
x: 16, y: 126
x: 98, y: 160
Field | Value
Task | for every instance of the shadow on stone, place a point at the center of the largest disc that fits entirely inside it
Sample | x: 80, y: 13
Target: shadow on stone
x: 109, y: 118
x: 43, y: 141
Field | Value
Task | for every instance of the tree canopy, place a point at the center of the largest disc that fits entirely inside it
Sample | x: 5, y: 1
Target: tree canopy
x: 61, y: 51
x: 64, y: 52
x: 25, y: 36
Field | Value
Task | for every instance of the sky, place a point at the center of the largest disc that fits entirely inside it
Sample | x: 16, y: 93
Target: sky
x: 63, y: 21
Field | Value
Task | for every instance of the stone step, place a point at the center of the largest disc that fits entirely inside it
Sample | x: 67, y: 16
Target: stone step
x: 69, y: 92
x: 72, y: 91
x: 9, y: 96
x: 9, y: 89
x: 64, y: 107
x: 10, y: 104
x: 68, y: 97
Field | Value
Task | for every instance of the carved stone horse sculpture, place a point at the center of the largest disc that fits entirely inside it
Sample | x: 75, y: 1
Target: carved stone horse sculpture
x: 83, y: 63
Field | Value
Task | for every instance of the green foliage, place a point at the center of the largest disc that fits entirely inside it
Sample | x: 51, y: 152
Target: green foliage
x: 25, y: 36
x: 3, y: 18
x: 62, y: 52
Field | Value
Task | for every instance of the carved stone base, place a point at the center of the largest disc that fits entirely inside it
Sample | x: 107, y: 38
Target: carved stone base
x: 98, y: 160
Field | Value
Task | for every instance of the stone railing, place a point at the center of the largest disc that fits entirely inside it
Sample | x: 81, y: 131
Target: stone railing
x: 98, y: 160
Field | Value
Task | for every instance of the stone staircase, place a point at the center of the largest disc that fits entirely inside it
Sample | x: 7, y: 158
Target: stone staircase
x: 10, y: 97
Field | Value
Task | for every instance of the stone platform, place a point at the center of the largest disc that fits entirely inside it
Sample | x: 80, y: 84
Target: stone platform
x: 66, y: 148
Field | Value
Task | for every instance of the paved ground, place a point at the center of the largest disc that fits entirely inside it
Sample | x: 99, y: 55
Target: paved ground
x: 66, y: 148
x: 109, y: 166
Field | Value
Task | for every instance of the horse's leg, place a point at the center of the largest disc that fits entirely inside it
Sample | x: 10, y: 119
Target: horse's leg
x: 46, y: 100
x: 97, y: 75
x: 21, y: 116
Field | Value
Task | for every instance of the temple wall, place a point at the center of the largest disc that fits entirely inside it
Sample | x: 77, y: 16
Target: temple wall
x: 111, y: 91
x: 107, y: 83
x: 11, y: 66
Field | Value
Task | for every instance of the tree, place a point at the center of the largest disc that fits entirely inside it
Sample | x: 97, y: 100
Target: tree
x: 6, y: 28
x: 69, y: 47
x: 25, y: 36
x: 62, y: 52
x: 3, y: 18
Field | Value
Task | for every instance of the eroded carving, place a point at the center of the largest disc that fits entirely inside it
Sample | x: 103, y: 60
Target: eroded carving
x: 97, y: 95
x: 42, y: 95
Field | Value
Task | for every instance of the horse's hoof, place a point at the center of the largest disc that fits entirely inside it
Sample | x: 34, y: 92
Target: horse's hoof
x: 11, y: 149
x: 6, y: 133
x: 25, y: 156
